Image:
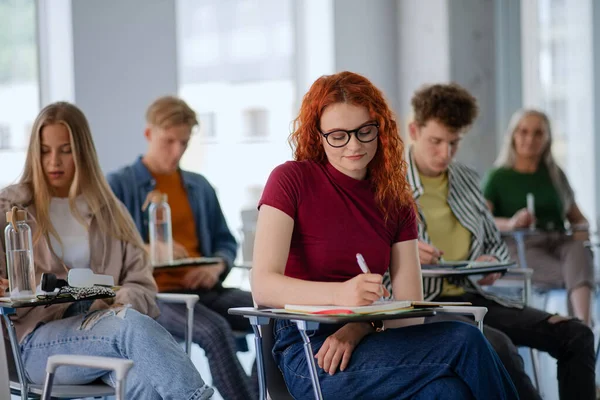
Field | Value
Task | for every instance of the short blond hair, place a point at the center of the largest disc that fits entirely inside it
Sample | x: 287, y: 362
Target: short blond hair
x: 168, y: 111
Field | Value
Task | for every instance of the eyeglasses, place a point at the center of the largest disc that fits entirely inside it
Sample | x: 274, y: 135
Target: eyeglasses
x: 364, y: 134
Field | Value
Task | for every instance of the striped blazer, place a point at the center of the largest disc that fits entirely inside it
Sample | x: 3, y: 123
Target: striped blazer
x: 468, y: 205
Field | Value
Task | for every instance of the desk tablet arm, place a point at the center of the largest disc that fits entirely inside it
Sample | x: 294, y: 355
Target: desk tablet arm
x: 477, y: 312
x: 526, y: 274
x: 190, y: 301
x: 119, y: 365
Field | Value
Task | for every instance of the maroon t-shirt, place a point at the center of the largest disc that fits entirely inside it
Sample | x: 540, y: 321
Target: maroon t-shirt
x: 335, y: 217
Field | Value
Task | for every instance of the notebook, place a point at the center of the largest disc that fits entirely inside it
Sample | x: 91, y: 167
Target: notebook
x: 379, y: 307
x: 190, y: 262
x: 473, y: 264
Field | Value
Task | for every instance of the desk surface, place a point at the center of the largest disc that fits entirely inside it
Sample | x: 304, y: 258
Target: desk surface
x: 189, y: 262
x: 331, y: 319
x: 440, y: 270
x: 49, y: 301
x: 524, y: 232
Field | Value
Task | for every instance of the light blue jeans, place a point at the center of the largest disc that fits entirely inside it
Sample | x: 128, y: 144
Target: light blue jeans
x: 161, y: 368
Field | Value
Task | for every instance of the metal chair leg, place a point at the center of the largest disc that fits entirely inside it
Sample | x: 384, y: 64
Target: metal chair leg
x: 260, y: 362
x: 16, y: 349
x: 189, y: 331
x: 303, y: 326
x: 535, y: 366
x: 120, y: 390
x: 48, y: 386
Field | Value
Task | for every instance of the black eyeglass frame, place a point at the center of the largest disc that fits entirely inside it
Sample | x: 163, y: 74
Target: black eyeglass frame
x: 349, y: 133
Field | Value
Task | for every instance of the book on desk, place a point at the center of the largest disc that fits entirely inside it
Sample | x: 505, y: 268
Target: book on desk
x: 378, y: 307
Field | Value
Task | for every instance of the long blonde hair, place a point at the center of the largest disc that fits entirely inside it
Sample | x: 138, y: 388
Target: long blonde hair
x: 88, y: 181
x: 508, y: 155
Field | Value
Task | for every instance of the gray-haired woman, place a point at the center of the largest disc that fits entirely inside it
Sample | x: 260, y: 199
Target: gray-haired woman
x: 526, y: 166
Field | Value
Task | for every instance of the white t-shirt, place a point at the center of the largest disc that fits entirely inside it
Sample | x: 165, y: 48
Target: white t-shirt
x: 75, y: 250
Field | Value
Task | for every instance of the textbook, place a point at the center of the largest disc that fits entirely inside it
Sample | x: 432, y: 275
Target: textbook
x: 378, y: 307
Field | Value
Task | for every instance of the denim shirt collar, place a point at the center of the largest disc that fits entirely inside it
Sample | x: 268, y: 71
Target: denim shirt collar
x: 144, y: 178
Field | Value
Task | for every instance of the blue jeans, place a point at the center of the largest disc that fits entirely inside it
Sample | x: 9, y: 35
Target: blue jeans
x: 161, y: 368
x: 445, y: 360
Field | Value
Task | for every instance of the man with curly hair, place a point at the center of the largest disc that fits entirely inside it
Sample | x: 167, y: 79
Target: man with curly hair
x: 455, y: 224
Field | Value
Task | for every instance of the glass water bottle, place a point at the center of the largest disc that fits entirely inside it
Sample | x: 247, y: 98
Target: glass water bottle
x: 160, y: 230
x: 19, y: 256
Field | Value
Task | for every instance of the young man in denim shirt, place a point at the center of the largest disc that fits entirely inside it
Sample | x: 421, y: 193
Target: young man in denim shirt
x: 199, y: 229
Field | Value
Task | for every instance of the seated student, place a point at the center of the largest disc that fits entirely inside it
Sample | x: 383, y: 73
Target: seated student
x: 346, y: 193
x: 78, y: 223
x: 455, y: 224
x: 199, y: 229
x: 526, y: 165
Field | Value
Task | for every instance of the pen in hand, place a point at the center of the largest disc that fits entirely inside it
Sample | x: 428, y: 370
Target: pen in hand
x: 364, y: 268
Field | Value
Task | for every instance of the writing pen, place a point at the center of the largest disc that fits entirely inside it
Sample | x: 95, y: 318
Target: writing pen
x: 364, y: 268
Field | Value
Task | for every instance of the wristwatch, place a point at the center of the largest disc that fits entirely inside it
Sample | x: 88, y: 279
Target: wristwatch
x: 378, y: 326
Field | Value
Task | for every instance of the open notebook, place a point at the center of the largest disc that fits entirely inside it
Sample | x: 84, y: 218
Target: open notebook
x: 379, y: 307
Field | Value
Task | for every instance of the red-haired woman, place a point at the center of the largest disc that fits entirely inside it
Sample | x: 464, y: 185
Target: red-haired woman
x: 346, y: 193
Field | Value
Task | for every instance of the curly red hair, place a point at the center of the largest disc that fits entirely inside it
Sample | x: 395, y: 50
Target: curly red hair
x: 388, y: 168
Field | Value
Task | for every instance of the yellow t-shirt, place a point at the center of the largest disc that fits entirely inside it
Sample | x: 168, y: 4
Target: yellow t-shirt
x: 444, y: 229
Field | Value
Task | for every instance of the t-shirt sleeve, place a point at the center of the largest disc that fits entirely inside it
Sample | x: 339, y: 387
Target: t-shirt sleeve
x: 407, y: 225
x: 283, y: 188
x: 489, y: 187
x: 566, y: 194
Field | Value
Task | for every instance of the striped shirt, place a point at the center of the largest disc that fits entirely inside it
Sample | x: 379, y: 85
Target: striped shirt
x: 468, y: 205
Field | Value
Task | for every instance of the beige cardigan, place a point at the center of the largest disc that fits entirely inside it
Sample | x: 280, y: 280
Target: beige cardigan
x: 128, y: 264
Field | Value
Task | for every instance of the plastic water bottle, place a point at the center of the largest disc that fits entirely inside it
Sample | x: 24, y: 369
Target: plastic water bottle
x: 19, y: 256
x: 160, y: 230
x: 531, y: 209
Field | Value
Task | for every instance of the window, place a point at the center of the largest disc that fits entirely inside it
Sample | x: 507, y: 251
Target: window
x: 4, y: 137
x: 207, y: 125
x: 256, y: 123
x: 19, y: 92
x: 236, y: 63
x: 557, y: 71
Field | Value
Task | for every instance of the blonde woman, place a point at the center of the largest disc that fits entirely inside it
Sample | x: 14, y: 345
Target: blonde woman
x: 78, y: 223
x: 526, y: 165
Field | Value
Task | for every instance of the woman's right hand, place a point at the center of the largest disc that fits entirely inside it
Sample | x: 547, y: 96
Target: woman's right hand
x: 362, y: 290
x: 522, y: 219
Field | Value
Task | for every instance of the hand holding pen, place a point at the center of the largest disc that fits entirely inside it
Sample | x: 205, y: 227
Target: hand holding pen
x: 365, y: 269
x: 362, y: 290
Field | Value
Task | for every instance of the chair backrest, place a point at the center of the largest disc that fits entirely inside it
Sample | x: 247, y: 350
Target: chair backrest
x: 11, y: 365
x: 275, y: 384
x: 4, y: 380
x: 249, y: 218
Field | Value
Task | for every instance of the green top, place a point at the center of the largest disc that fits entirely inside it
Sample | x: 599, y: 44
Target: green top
x: 507, y: 189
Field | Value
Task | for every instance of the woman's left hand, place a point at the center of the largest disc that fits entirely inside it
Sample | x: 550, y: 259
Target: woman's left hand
x: 3, y: 286
x: 337, y: 348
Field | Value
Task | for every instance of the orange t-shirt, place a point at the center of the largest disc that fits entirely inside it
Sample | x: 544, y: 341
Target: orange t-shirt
x: 183, y: 224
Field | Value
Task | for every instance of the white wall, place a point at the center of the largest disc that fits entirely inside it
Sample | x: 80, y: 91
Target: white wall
x: 124, y: 57
x: 366, y: 42
x: 424, y: 49
x: 451, y: 41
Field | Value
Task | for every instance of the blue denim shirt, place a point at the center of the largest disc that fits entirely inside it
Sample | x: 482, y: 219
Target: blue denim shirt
x: 131, y: 185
